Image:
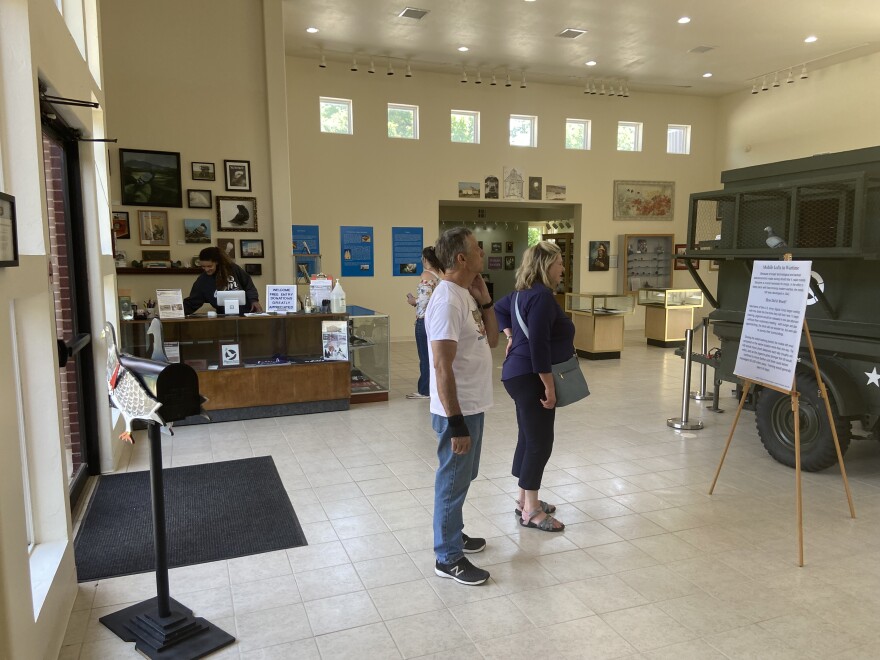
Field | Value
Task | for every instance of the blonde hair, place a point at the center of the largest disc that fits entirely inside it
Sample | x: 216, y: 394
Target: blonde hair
x: 536, y: 264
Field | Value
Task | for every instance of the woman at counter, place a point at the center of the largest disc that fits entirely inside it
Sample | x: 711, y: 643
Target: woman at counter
x: 220, y: 274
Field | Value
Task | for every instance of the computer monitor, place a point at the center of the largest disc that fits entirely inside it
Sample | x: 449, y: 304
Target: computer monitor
x: 223, y: 296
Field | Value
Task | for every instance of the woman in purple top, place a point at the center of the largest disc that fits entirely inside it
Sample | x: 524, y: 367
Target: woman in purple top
x: 539, y: 334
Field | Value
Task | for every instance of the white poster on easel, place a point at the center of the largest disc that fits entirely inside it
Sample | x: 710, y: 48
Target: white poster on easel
x: 771, y: 333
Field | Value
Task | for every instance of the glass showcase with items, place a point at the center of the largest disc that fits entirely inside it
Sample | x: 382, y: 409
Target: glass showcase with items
x: 668, y: 313
x: 370, y: 352
x: 647, y: 261
x: 598, y: 322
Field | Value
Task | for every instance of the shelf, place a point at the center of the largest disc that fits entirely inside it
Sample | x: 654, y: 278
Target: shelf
x: 158, y: 271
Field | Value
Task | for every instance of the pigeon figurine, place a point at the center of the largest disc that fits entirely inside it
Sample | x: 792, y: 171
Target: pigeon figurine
x: 773, y: 240
x: 127, y: 393
x: 155, y: 331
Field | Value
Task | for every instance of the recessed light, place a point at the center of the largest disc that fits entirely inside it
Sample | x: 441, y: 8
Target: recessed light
x: 684, y: 20
x: 463, y: 49
x: 707, y: 75
x: 811, y: 39
x: 591, y: 63
x: 312, y: 30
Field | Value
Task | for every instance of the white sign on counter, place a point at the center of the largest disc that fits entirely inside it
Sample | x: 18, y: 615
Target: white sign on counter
x: 280, y: 298
x: 771, y: 333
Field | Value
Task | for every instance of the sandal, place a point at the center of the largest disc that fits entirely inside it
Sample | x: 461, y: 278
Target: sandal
x: 546, y: 508
x: 546, y: 525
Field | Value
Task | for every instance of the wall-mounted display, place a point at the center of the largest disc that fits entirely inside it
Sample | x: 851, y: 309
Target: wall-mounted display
x: 199, y: 199
x: 356, y: 245
x: 227, y: 246
x: 469, y: 189
x: 305, y: 239
x: 238, y: 175
x: 508, y: 246
x: 253, y: 269
x: 555, y: 193
x: 197, y: 231
x: 251, y: 248
x: 496, y: 248
x: 643, y: 200
x: 121, y: 228
x: 514, y: 183
x: 510, y: 263
x: 535, y: 185
x: 236, y: 213
x: 153, y: 227
x: 599, y: 260
x: 494, y: 263
x: 203, y: 171
x: 491, y: 190
x: 150, y: 178
x: 406, y: 251
x: 647, y: 261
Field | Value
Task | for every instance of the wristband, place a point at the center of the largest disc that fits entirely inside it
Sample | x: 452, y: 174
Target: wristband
x: 488, y: 304
x: 457, y: 426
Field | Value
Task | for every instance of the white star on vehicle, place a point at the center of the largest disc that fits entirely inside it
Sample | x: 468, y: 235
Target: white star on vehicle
x: 873, y: 377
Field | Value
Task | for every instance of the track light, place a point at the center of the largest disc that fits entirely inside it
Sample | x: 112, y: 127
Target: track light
x: 479, y: 79
x: 602, y: 91
x: 755, y: 87
x: 508, y: 83
x: 464, y: 77
x: 587, y: 87
x: 626, y: 90
x: 408, y: 73
x: 390, y: 71
x: 372, y: 68
x: 790, y: 78
x: 776, y: 80
x: 494, y: 82
x: 354, y: 64
x: 593, y: 88
x: 764, y: 87
x: 323, y: 63
x: 804, y: 75
x: 522, y: 84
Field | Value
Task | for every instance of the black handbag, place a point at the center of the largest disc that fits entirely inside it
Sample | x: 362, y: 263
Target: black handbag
x: 571, y: 386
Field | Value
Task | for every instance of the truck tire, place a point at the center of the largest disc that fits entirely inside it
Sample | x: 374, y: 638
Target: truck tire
x: 775, y: 422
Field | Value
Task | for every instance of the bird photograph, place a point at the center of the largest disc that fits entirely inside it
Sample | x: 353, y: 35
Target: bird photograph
x: 241, y: 217
x: 773, y: 240
x: 237, y: 213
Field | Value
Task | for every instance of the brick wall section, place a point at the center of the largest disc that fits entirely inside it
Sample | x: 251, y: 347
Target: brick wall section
x: 59, y: 261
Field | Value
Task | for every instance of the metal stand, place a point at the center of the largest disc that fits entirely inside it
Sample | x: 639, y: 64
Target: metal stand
x: 701, y: 394
x: 161, y: 627
x: 682, y: 423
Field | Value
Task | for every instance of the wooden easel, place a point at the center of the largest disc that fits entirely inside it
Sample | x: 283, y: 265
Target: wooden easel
x: 795, y: 409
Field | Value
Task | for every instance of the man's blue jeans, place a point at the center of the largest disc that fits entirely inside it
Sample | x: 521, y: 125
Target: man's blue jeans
x: 454, y: 475
x: 424, y: 386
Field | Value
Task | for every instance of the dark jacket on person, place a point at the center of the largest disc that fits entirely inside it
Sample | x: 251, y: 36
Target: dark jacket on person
x: 205, y: 288
x: 551, y: 332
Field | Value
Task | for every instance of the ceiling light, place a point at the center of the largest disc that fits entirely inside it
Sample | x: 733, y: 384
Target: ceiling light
x: 626, y: 90
x: 755, y: 87
x: 479, y: 79
x: 586, y: 87
x: 602, y: 91
x: 592, y: 88
x: 790, y: 78
x: 412, y: 12
x: 684, y: 20
x: 323, y: 63
x: 508, y: 83
x: 390, y: 71
x: 811, y: 39
x: 776, y: 80
x: 494, y: 82
x: 591, y: 63
x: 707, y: 75
x: 611, y: 89
x: 312, y: 30
x: 463, y: 76
x: 354, y: 64
x: 804, y: 75
x: 372, y: 68
x: 463, y: 49
x: 522, y: 84
x: 408, y: 71
x: 571, y: 33
x: 764, y: 87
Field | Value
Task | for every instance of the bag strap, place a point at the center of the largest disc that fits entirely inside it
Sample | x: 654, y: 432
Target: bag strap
x: 518, y: 317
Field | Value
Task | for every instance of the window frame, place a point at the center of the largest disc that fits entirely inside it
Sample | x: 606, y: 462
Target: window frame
x: 588, y: 129
x: 415, y: 115
x: 329, y: 100
x: 475, y: 115
x: 637, y: 143
x: 687, y: 139
x: 533, y: 134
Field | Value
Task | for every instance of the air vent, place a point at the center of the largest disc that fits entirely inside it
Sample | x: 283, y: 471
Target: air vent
x: 571, y: 33
x: 412, y: 12
x: 699, y: 50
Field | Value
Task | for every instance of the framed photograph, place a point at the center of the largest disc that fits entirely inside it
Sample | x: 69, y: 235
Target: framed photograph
x: 251, y: 248
x: 227, y: 246
x: 238, y: 175
x: 120, y: 225
x: 714, y: 264
x: 555, y: 193
x: 681, y: 264
x: 535, y: 185
x: 156, y: 256
x: 197, y: 231
x: 469, y: 189
x: 491, y: 183
x: 599, y: 258
x: 643, y: 200
x: 150, y: 178
x: 253, y: 269
x: 236, y: 213
x: 154, y: 227
x: 508, y: 246
x: 496, y: 248
x: 199, y: 199
x: 203, y: 171
x: 510, y: 263
x: 494, y: 263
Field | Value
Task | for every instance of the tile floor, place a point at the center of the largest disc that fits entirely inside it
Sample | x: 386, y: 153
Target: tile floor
x: 649, y: 565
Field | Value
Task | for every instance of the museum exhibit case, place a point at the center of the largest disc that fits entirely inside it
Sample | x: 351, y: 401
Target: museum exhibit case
x: 598, y: 323
x: 370, y: 354
x: 566, y: 245
x: 647, y: 261
x: 668, y: 313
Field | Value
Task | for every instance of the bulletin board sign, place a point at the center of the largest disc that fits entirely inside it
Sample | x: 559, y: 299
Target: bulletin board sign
x: 406, y: 250
x: 356, y: 245
x: 305, y: 239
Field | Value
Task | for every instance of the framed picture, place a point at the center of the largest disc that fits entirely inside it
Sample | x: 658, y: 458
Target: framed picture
x: 496, y: 248
x: 150, y: 178
x: 510, y: 263
x: 306, y: 266
x: 643, y: 200
x: 491, y: 183
x: 197, y: 231
x: 469, y: 189
x: 599, y: 258
x: 253, y: 269
x: 494, y: 263
x: 227, y: 246
x: 8, y: 232
x: 251, y: 248
x: 236, y: 213
x: 480, y: 243
x: 714, y: 264
x: 156, y: 255
x: 199, y: 199
x: 120, y: 225
x: 555, y: 193
x: 203, y: 171
x: 238, y: 175
x: 681, y: 264
x: 508, y: 246
x: 154, y: 227
x: 535, y: 185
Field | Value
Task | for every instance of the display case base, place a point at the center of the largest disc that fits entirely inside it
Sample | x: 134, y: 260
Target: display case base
x: 369, y: 397
x: 260, y: 412
x: 598, y: 355
x: 665, y: 344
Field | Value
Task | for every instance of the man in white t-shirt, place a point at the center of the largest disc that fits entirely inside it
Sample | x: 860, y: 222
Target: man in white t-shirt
x: 462, y: 330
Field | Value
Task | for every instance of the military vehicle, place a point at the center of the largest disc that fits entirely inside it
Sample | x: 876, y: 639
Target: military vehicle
x: 825, y: 209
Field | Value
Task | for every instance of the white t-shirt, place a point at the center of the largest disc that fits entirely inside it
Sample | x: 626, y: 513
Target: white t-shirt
x: 454, y: 314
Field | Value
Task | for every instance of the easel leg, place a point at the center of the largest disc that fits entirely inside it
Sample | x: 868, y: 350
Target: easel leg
x: 795, y: 409
x: 742, y: 402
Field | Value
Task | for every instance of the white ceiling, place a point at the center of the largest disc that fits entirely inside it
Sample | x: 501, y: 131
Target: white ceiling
x: 636, y: 40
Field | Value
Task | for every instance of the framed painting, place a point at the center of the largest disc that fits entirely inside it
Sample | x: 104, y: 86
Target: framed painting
x: 199, y: 199
x: 150, y: 178
x: 253, y: 269
x: 599, y: 257
x: 251, y: 248
x: 8, y: 232
x: 644, y: 200
x: 121, y: 227
x: 509, y: 263
x: 496, y: 248
x: 508, y: 246
x: 681, y: 264
x: 236, y: 213
x: 227, y: 246
x: 197, y: 231
x: 203, y: 171
x: 238, y: 175
x: 153, y: 227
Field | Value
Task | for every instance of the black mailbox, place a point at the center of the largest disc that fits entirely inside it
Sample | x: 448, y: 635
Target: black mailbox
x: 175, y: 386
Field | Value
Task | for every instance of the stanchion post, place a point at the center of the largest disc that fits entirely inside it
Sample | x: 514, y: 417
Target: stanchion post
x: 701, y: 395
x: 682, y: 423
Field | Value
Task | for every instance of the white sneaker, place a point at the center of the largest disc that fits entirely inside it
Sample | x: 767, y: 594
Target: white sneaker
x: 416, y: 395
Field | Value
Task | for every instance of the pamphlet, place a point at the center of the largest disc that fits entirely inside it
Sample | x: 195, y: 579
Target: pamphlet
x: 170, y: 302
x: 280, y: 298
x: 319, y: 290
x: 334, y: 338
x: 172, y: 351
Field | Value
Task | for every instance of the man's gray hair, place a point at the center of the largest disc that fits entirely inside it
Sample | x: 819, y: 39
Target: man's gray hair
x: 450, y: 244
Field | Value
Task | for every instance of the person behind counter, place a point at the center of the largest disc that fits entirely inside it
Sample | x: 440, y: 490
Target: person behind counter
x: 219, y: 273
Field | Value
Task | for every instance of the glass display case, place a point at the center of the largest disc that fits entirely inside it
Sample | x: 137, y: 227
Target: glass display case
x: 598, y: 323
x: 370, y: 354
x: 647, y: 261
x: 668, y: 314
x: 566, y: 245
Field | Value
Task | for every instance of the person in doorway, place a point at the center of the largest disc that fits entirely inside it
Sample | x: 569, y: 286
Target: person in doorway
x: 431, y: 271
x: 220, y: 273
x: 539, y: 334
x: 462, y: 330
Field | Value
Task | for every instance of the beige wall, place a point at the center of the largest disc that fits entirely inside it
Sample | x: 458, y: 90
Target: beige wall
x: 369, y: 179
